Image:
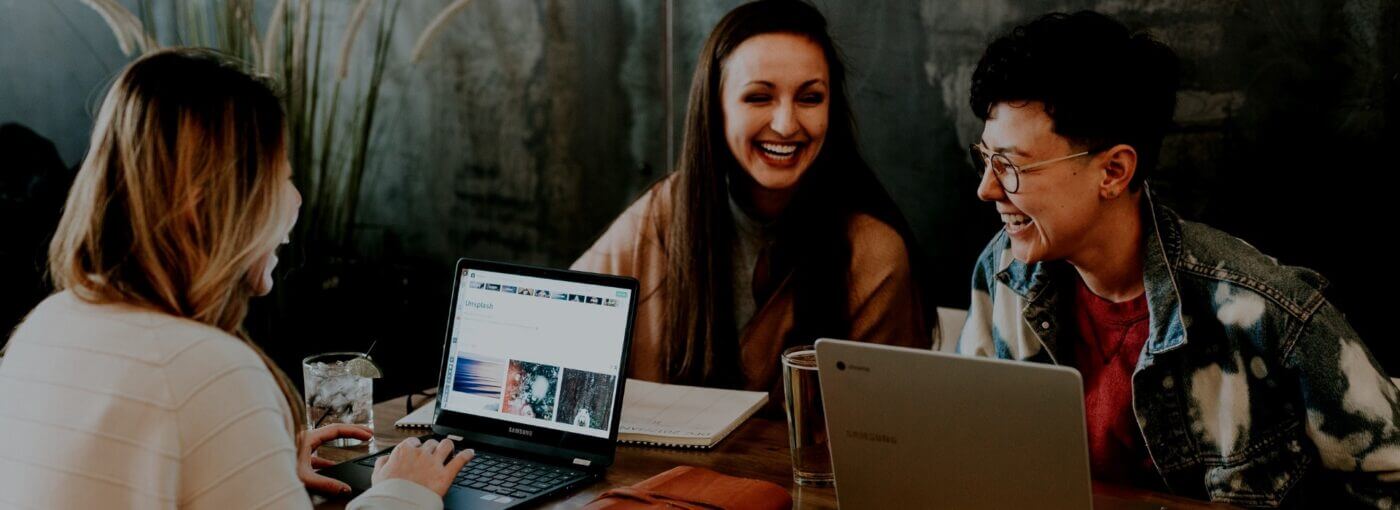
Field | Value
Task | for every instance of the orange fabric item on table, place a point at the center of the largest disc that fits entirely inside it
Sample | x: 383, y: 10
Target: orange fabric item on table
x: 694, y: 488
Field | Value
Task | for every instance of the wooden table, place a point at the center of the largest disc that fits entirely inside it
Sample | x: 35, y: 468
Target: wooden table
x: 757, y: 449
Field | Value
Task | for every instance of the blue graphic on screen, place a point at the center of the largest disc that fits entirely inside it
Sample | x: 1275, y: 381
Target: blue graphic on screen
x: 481, y: 378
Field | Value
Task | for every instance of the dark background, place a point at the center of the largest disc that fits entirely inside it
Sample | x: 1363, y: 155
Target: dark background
x: 529, y: 125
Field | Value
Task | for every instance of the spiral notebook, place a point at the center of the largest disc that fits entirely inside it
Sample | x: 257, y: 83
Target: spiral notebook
x: 683, y: 416
x: 421, y: 418
x: 663, y: 414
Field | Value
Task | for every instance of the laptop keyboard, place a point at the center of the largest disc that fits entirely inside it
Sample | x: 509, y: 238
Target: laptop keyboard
x: 513, y: 477
x: 508, y: 476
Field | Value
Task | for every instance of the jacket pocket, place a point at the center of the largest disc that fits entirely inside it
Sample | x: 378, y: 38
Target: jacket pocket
x: 1263, y: 473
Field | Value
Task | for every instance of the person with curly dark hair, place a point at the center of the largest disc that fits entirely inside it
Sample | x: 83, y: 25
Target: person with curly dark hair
x: 1210, y: 370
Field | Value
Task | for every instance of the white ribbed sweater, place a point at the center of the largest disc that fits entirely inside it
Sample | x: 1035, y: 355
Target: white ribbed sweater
x: 111, y: 406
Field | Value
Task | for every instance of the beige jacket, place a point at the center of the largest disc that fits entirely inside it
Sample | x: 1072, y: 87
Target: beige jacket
x: 884, y: 302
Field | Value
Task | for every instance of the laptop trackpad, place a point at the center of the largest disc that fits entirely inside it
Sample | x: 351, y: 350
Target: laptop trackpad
x: 462, y: 498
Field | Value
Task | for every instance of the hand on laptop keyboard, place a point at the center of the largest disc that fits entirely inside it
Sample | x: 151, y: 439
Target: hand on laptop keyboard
x: 514, y: 478
x: 425, y: 463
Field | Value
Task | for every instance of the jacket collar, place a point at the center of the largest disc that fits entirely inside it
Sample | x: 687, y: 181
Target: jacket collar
x: 1162, y: 241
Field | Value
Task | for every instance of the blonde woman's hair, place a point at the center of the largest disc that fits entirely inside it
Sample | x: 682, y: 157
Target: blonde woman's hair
x: 177, y: 201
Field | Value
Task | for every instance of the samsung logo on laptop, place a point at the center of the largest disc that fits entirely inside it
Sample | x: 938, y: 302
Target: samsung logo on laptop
x: 871, y: 436
x: 523, y: 432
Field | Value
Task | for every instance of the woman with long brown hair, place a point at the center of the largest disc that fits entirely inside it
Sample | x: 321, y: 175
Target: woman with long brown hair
x: 773, y: 231
x: 135, y: 386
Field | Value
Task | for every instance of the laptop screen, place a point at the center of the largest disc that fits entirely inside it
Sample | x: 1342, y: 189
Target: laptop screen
x: 536, y: 351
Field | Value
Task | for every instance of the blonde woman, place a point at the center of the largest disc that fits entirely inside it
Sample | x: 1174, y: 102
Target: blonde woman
x: 134, y: 385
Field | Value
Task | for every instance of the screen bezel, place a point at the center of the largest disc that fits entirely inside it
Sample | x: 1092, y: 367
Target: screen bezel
x: 597, y: 449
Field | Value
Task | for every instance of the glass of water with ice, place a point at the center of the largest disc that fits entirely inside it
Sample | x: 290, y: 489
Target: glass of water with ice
x: 339, y: 389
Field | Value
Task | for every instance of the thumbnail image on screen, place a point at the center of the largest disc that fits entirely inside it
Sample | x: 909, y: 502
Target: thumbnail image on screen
x: 479, y: 380
x: 585, y: 399
x: 530, y: 390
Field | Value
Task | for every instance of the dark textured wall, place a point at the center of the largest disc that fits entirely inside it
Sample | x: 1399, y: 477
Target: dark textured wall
x: 531, y: 123
x: 525, y: 128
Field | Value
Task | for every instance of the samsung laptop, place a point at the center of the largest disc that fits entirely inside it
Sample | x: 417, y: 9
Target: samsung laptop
x: 531, y: 377
x: 913, y: 428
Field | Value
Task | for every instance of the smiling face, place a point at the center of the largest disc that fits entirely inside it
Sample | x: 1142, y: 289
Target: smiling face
x: 260, y: 278
x: 1051, y: 215
x: 774, y: 90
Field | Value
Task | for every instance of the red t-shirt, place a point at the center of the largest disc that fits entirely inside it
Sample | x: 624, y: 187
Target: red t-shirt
x: 1112, y: 338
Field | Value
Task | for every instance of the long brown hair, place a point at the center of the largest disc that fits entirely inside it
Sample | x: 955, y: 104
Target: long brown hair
x: 178, y: 199
x: 812, y: 245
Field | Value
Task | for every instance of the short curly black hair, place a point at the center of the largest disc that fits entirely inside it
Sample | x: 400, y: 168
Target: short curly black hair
x: 1101, y: 83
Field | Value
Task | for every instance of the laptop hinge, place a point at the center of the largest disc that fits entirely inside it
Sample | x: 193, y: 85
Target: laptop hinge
x: 583, y: 462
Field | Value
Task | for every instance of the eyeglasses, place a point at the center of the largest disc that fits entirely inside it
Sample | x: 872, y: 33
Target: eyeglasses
x: 1008, y: 173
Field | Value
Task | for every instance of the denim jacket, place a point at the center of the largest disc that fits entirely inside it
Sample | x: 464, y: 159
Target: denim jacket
x: 1252, y: 388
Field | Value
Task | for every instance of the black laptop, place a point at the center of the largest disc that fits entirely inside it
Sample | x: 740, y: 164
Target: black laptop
x: 531, y: 377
